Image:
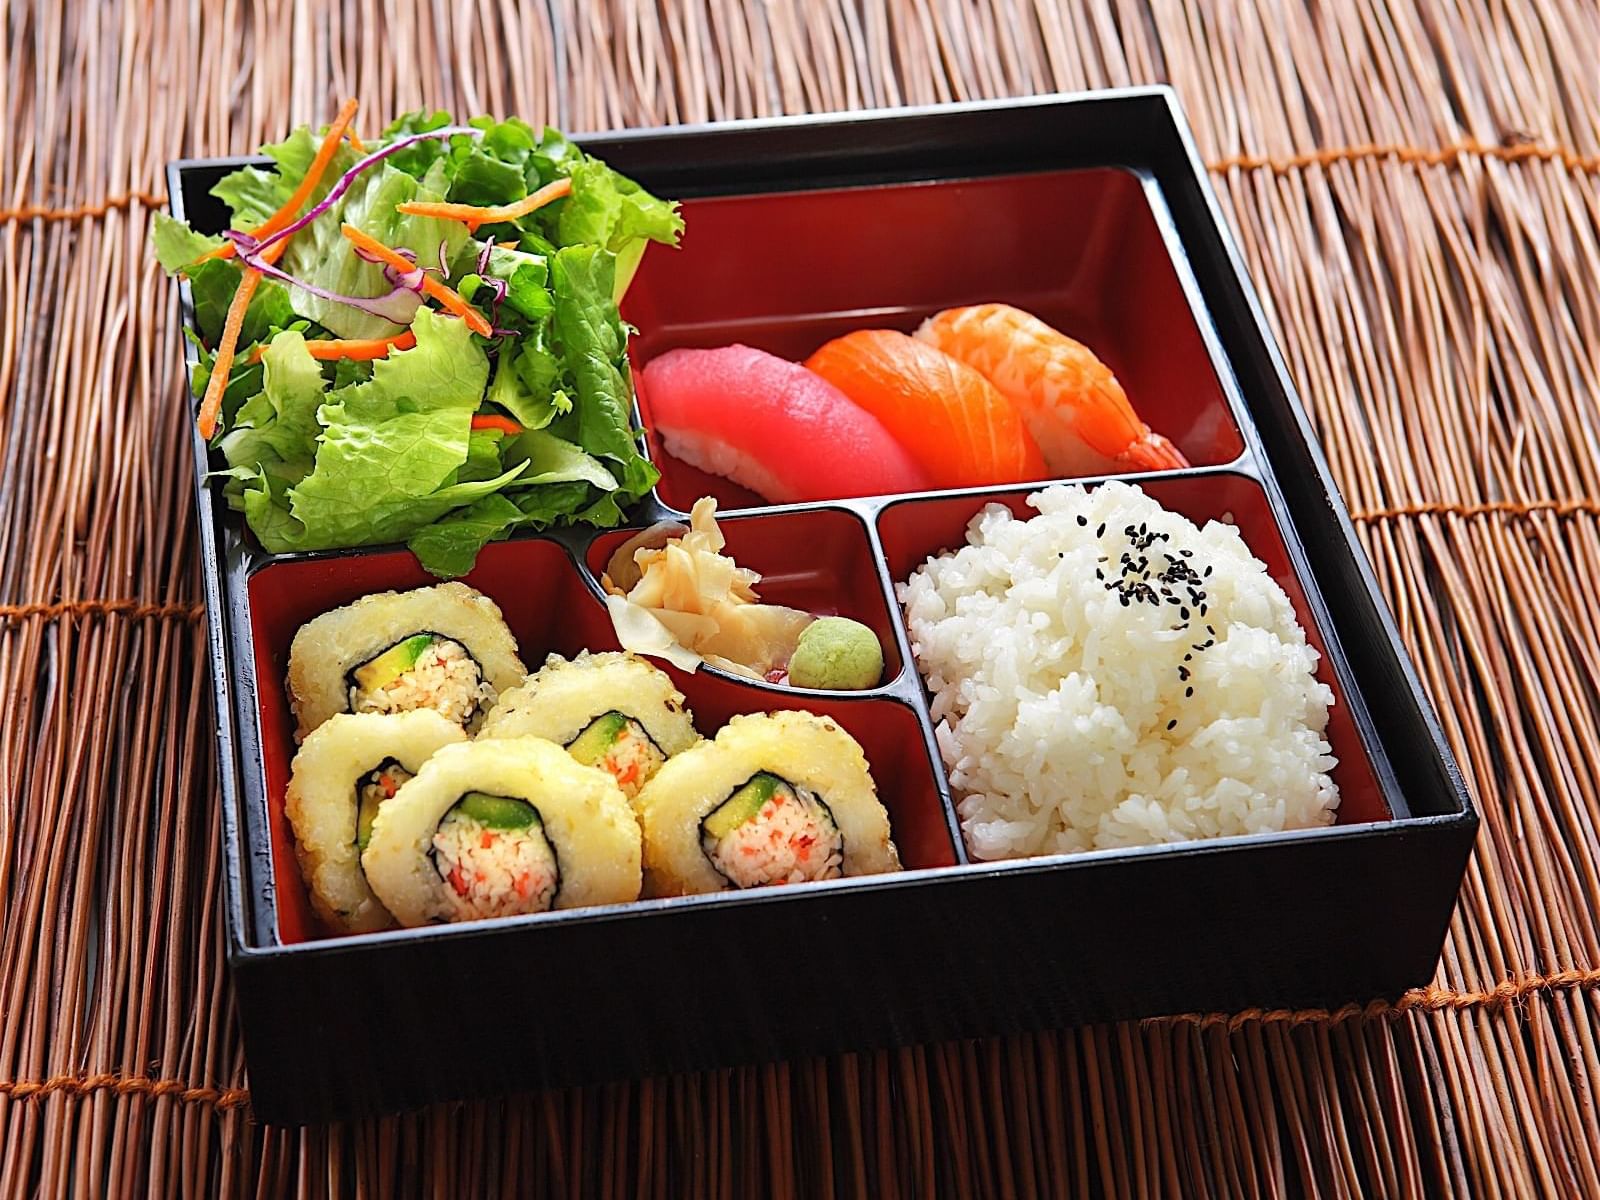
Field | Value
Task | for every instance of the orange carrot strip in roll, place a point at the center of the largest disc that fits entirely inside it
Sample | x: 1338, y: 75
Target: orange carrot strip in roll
x: 451, y: 300
x: 475, y: 215
x: 291, y: 207
x: 354, y: 349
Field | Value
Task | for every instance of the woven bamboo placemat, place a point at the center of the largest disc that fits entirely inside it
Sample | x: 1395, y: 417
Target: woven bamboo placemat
x: 1416, y: 188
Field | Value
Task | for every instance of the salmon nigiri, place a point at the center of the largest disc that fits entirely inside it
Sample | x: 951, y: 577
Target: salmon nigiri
x: 1072, y: 403
x: 961, y: 430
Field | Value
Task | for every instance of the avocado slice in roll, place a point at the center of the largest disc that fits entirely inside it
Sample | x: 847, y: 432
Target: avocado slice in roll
x: 774, y: 798
x: 445, y: 648
x: 343, y: 774
x: 612, y: 711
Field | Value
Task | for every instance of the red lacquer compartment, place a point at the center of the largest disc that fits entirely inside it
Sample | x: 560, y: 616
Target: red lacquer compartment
x: 914, y: 530
x: 1082, y: 249
x: 549, y: 609
x: 819, y: 560
x: 539, y: 591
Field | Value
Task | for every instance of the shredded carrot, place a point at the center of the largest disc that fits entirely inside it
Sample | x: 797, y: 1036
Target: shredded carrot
x: 355, y: 349
x: 355, y: 142
x: 475, y: 215
x: 211, y: 405
x: 291, y: 207
x: 446, y: 296
x: 494, y: 421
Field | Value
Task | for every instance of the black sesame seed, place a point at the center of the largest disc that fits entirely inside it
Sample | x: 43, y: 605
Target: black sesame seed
x: 1188, y: 691
x: 1187, y: 658
x: 1184, y: 613
x: 1172, y: 724
x: 1082, y: 520
x: 1101, y: 532
x: 1183, y: 672
x: 1124, y: 599
x: 1208, y: 572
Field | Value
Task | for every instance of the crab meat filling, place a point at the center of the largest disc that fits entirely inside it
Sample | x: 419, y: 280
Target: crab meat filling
x: 376, y: 786
x: 424, y: 670
x: 619, y: 745
x: 494, y: 859
x: 772, y: 831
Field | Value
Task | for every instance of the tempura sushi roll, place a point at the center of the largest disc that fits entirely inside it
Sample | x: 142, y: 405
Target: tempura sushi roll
x: 782, y: 797
x: 345, y: 770
x: 611, y: 711
x: 500, y: 828
x: 444, y: 647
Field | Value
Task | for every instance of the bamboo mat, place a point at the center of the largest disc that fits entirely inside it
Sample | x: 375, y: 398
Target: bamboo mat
x: 1416, y: 189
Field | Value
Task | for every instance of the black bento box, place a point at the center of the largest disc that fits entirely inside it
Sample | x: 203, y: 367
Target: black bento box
x: 1093, y: 211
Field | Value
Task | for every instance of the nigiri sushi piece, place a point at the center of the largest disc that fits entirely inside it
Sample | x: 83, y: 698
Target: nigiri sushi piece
x: 772, y: 426
x: 962, y: 431
x: 1072, y: 403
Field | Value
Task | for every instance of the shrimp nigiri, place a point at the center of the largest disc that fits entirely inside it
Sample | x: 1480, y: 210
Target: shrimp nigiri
x: 961, y: 431
x: 1073, y: 404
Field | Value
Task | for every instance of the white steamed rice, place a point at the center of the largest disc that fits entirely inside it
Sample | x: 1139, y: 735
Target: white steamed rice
x: 1063, y: 713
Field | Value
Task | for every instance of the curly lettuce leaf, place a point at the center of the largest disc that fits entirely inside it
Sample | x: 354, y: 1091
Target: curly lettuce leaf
x: 524, y: 385
x: 527, y: 280
x: 279, y: 423
x: 610, y: 210
x: 509, y: 160
x: 320, y: 255
x: 549, y: 459
x: 556, y: 484
x: 445, y: 371
x: 253, y: 194
x: 393, y: 452
x: 449, y: 546
x: 212, y: 283
x: 594, y: 344
x: 178, y: 246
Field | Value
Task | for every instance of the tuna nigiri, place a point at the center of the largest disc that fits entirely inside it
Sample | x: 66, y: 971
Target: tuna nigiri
x: 962, y: 431
x: 772, y: 426
x: 1073, y: 404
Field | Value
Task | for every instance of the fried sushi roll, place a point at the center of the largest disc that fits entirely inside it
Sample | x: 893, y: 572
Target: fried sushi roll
x: 782, y: 797
x: 500, y: 828
x: 344, y: 771
x: 444, y: 647
x: 611, y: 711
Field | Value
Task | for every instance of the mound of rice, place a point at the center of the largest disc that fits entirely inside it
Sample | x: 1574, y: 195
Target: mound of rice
x: 1105, y: 674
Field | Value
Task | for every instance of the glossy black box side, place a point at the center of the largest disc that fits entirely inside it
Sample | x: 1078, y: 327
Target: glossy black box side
x: 962, y: 954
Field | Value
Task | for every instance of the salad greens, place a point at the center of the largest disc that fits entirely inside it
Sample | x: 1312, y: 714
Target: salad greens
x: 343, y: 424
